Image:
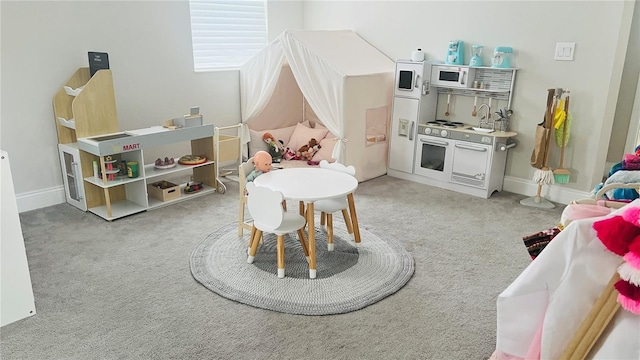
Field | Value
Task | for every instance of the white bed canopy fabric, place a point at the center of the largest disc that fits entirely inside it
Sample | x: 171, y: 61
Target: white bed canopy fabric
x: 323, y: 64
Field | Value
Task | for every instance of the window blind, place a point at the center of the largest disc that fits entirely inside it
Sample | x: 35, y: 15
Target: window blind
x: 226, y: 33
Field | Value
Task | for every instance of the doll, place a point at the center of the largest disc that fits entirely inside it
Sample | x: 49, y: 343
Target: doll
x: 276, y: 147
x: 262, y: 164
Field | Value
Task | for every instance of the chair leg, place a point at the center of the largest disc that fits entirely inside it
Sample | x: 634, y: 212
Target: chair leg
x: 241, y: 218
x: 301, y: 207
x: 303, y: 242
x: 347, y: 221
x: 253, y: 233
x: 280, y: 247
x: 306, y: 215
x: 284, y: 205
x: 254, y: 246
x: 330, y: 232
x: 354, y: 218
x: 322, y: 218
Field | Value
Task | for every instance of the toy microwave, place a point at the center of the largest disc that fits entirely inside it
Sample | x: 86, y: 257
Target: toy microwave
x: 452, y: 76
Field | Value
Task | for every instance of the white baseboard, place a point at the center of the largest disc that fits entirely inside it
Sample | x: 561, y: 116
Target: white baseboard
x: 556, y: 193
x: 41, y: 198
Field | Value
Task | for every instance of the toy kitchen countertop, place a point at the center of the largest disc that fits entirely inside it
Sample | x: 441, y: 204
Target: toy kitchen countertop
x: 443, y: 128
x: 109, y: 144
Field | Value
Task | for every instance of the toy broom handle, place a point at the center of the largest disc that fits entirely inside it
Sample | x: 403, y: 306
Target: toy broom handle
x: 564, y: 130
x: 548, y: 115
x: 594, y: 324
x: 548, y: 124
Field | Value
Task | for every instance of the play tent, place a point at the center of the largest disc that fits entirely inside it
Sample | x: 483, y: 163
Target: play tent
x: 334, y: 77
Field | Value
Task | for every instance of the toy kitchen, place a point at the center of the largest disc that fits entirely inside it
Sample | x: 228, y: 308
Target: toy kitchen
x: 458, y: 148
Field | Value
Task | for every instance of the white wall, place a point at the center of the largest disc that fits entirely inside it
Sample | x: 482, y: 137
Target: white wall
x: 149, y: 46
x: 599, y: 28
x: 625, y: 121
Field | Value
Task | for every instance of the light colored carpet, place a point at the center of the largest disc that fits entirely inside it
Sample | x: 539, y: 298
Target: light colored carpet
x: 349, y: 278
x: 124, y: 289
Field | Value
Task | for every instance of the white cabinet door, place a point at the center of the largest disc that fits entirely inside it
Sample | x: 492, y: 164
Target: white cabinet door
x: 16, y: 293
x: 403, y: 134
x: 471, y: 164
x: 409, y: 79
x: 72, y: 175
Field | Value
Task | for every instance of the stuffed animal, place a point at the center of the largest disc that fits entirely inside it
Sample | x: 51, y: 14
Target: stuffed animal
x: 307, y: 151
x: 290, y: 155
x: 276, y: 147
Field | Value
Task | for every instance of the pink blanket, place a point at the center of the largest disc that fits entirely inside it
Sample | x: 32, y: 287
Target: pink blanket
x: 631, y: 162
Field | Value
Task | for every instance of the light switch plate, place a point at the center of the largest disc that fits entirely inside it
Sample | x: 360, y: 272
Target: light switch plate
x: 564, y: 51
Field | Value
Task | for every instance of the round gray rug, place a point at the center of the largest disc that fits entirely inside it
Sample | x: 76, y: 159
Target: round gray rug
x: 349, y: 278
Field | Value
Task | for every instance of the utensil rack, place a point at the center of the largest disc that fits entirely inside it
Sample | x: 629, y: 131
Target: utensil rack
x: 498, y: 85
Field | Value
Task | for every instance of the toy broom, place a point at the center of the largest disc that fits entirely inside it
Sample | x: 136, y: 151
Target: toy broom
x: 543, y: 175
x: 561, y: 175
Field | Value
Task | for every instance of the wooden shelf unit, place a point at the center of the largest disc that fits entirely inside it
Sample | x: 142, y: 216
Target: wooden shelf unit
x: 125, y: 196
x: 93, y: 109
x: 84, y: 106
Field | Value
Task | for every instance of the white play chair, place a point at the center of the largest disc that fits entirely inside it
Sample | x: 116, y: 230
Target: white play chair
x: 330, y: 206
x: 265, y: 207
x: 243, y: 170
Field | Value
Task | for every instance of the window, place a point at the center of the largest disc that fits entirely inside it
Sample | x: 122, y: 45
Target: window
x: 226, y: 33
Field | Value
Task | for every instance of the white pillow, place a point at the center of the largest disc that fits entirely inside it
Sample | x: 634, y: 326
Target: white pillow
x: 326, y: 148
x: 256, y: 143
x: 302, y: 134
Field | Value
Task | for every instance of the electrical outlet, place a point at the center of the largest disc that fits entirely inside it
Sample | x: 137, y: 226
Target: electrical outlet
x: 564, y: 51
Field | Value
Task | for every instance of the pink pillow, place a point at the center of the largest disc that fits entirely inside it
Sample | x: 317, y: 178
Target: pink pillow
x: 256, y: 143
x: 302, y: 134
x: 326, y: 148
x: 320, y: 126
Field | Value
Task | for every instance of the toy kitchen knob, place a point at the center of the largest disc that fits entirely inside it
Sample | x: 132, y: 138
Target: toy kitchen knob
x: 505, y: 147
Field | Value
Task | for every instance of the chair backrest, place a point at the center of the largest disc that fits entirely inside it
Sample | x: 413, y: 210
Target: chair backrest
x: 243, y: 170
x: 351, y: 170
x: 265, y: 206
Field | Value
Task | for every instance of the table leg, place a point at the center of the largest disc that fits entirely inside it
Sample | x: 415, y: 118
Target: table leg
x: 354, y: 219
x: 312, y: 241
